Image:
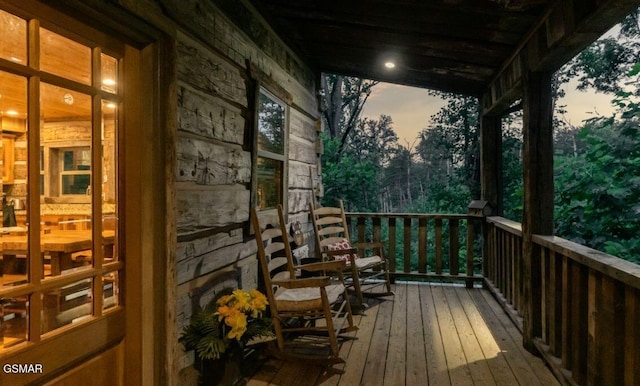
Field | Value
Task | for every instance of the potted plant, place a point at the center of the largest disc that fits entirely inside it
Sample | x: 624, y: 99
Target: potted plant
x: 220, y: 331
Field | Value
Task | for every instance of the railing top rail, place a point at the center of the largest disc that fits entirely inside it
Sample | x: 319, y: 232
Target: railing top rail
x: 612, y: 266
x: 506, y: 224
x: 408, y: 215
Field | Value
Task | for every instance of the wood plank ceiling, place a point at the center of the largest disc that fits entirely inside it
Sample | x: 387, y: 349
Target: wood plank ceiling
x: 460, y: 46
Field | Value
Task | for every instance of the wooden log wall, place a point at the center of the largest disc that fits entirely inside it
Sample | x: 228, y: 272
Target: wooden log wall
x: 216, y: 59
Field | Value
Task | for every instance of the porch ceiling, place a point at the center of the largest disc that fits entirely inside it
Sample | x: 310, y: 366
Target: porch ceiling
x: 460, y: 46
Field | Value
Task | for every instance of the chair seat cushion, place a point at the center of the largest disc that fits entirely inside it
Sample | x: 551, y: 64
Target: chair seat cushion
x: 298, y: 299
x: 367, y: 262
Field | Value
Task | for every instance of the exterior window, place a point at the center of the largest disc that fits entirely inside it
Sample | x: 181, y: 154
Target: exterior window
x: 271, y: 154
x: 59, y: 124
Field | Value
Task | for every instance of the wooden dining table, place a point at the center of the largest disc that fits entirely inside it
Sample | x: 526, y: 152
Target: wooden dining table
x: 60, y: 245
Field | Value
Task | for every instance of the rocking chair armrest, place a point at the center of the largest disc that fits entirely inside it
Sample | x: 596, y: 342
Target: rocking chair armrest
x: 320, y: 281
x: 333, y: 265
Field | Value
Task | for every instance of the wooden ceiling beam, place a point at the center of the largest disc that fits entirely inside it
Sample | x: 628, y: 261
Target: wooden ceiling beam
x: 568, y: 27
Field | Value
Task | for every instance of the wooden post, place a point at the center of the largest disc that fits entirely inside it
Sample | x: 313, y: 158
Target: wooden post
x: 538, y: 193
x: 491, y: 162
x: 490, y: 175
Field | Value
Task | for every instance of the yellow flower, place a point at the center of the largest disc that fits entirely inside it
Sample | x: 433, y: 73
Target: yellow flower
x: 242, y: 299
x: 238, y: 323
x: 224, y: 300
x: 258, y: 303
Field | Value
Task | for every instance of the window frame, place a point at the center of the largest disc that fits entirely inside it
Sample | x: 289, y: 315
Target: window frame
x: 281, y: 99
x: 36, y: 285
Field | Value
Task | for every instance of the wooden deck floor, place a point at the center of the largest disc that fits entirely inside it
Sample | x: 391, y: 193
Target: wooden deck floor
x: 425, y: 335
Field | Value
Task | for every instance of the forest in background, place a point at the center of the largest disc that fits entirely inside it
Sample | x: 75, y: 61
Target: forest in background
x: 597, y: 164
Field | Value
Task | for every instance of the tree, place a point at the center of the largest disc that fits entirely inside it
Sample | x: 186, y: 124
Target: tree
x: 342, y: 104
x: 453, y: 138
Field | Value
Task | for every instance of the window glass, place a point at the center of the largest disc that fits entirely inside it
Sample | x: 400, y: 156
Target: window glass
x: 270, y: 158
x: 109, y: 183
x: 109, y: 73
x: 270, y: 124
x: 14, y: 311
x: 269, y: 183
x: 13, y: 44
x: 14, y: 263
x: 64, y: 57
x: 66, y: 305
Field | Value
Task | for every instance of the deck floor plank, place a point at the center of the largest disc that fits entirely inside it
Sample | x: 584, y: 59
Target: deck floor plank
x: 416, y: 363
x: 395, y: 373
x: 529, y: 370
x: 437, y: 370
x: 495, y: 358
x: 425, y: 334
x: 459, y: 371
x: 476, y: 361
x: 360, y: 348
x: 375, y: 366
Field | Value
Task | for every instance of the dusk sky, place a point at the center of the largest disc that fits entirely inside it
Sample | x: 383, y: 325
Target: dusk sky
x: 411, y: 108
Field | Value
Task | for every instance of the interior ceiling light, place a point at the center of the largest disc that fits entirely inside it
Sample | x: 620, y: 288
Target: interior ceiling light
x: 12, y: 112
x: 111, y: 105
x: 389, y: 64
x: 109, y: 82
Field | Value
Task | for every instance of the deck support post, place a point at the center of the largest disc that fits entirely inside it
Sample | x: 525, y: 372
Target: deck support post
x: 538, y: 193
x: 490, y: 174
x: 491, y: 162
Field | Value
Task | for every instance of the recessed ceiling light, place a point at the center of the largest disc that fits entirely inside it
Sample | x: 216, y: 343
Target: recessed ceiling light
x: 389, y: 65
x: 12, y: 112
x: 111, y: 105
x: 109, y: 82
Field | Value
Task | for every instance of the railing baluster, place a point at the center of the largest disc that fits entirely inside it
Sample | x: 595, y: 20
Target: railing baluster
x: 438, y: 265
x: 407, y: 244
x: 566, y: 313
x: 632, y: 336
x: 454, y: 247
x: 555, y: 304
x: 361, y: 229
x: 392, y: 245
x: 579, y: 314
x: 422, y: 245
x: 470, y: 241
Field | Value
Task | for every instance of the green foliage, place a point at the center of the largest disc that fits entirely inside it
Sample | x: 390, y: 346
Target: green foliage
x: 347, y: 179
x: 598, y: 190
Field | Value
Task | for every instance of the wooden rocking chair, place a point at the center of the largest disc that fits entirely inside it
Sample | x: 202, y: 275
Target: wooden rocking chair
x: 366, y: 274
x: 309, y: 314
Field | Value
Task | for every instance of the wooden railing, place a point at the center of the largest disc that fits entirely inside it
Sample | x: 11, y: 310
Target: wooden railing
x: 589, y: 303
x: 423, y: 246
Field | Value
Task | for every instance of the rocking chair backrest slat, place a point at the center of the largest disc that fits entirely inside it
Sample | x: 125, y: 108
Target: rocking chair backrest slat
x: 275, y: 254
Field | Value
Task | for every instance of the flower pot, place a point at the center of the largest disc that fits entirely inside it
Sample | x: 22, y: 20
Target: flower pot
x: 226, y: 371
